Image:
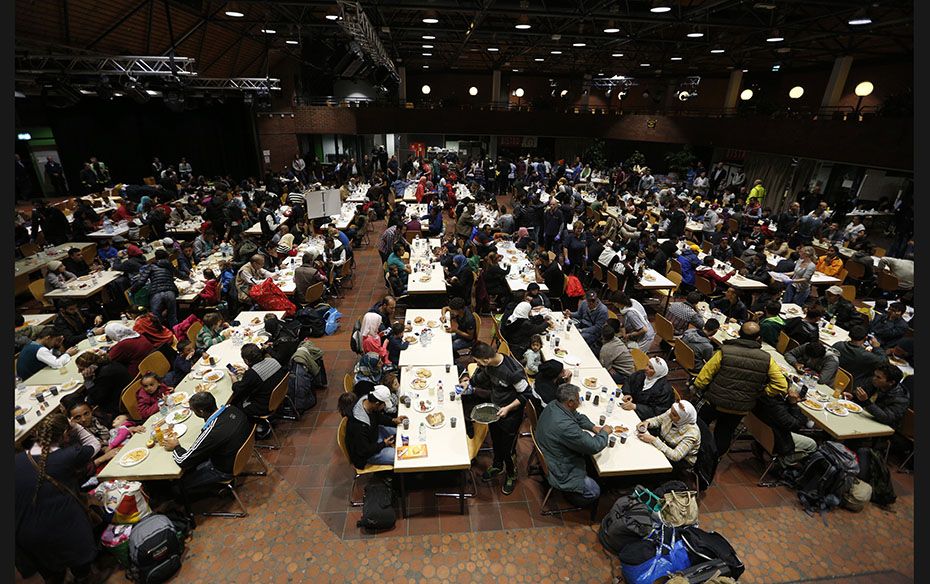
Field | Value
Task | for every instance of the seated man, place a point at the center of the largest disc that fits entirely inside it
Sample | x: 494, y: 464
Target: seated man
x: 891, y: 401
x: 889, y: 328
x: 590, y: 317
x: 75, y: 262
x: 771, y: 324
x: 806, y: 329
x: 43, y: 352
x: 859, y: 356
x: 73, y: 323
x: 816, y: 358
x: 783, y: 415
x: 561, y: 433
x: 732, y: 306
x: 837, y: 307
x: 370, y: 432
x: 700, y: 341
x: 831, y: 263
x: 211, y: 458
x: 397, y: 280
x: 252, y: 392
x: 461, y: 323
x: 682, y: 314
x: 615, y: 356
x: 758, y: 269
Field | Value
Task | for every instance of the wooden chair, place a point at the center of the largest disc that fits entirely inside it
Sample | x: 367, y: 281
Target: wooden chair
x: 640, y: 359
x: 842, y: 380
x: 704, y: 286
x: 274, y: 402
x: 684, y: 356
x: 732, y: 226
x: 598, y: 274
x: 410, y: 235
x: 193, y: 331
x: 764, y: 435
x: 675, y: 277
x: 242, y: 459
x: 887, y: 282
x: 707, y: 247
x: 37, y: 287
x: 849, y: 292
x: 880, y: 252
x: 664, y: 329
x: 737, y: 263
x: 855, y: 270
x: 369, y: 468
x: 783, y: 340
x: 613, y: 282
x: 504, y: 348
x: 673, y: 266
x: 28, y: 249
x: 157, y: 363
x: 314, y: 293
x: 545, y: 472
x: 89, y: 253
x: 841, y: 275
x: 128, y: 398
x: 348, y: 383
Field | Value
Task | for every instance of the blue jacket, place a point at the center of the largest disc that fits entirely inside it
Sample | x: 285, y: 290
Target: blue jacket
x: 689, y: 261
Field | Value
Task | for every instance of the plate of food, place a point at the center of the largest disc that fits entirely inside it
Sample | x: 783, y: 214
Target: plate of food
x: 435, y: 420
x: 424, y: 405
x: 821, y: 397
x: 134, y: 457
x: 851, y: 406
x: 812, y: 405
x: 896, y: 361
x: 620, y: 429
x: 177, y: 398
x: 529, y: 279
x: 256, y: 320
x: 40, y: 390
x: 101, y: 338
x: 21, y: 410
x: 419, y: 320
x: 590, y: 382
x: 257, y: 339
x: 424, y: 372
x: 649, y: 278
x: 412, y: 339
x: 214, y: 375
x: 433, y: 324
x: 485, y: 413
x: 560, y: 352
x: 206, y: 359
x: 837, y: 409
x: 202, y: 387
x: 178, y: 416
x: 70, y: 384
x: 419, y: 383
x: 426, y: 278
x: 174, y: 430
x: 794, y: 310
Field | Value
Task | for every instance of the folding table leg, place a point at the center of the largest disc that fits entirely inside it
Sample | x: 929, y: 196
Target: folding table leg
x: 403, y: 497
x: 185, y: 498
x: 462, y: 493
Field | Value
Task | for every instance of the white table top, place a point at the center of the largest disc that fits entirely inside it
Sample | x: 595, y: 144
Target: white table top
x: 572, y: 342
x: 435, y: 285
x: 516, y: 259
x: 40, y: 260
x: 190, y: 226
x: 103, y: 234
x: 658, y: 281
x: 278, y: 219
x: 91, y: 287
x: 447, y: 447
x: 422, y: 249
x: 634, y: 457
x: 38, y: 319
x: 439, y: 351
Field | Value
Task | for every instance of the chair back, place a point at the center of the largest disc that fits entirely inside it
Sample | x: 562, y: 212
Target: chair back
x: 673, y: 266
x: 782, y: 345
x: 855, y: 270
x: 244, y: 453
x: 539, y: 453
x: 90, y: 253
x: 613, y: 283
x: 664, y: 328
x: 598, y: 272
x: 341, y: 440
x: 703, y: 285
x: 314, y: 293
x: 28, y: 249
x: 530, y: 412
x: 193, y: 331
x: 706, y: 247
x: 348, y: 383
x: 674, y: 277
x: 849, y: 292
x: 278, y: 394
x: 737, y: 263
x: 684, y: 355
x: 477, y: 439
x: 128, y: 398
x: 504, y: 348
x: 477, y: 326
x: 640, y: 359
x: 887, y: 282
x: 841, y: 275
x: 906, y: 428
x: 732, y: 225
x: 880, y: 252
x: 410, y: 235
x: 157, y: 363
x: 761, y: 432
x: 37, y: 287
x: 842, y: 380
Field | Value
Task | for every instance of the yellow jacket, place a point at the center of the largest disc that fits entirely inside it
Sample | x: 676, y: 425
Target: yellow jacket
x: 757, y: 192
x: 829, y: 267
x: 776, y: 386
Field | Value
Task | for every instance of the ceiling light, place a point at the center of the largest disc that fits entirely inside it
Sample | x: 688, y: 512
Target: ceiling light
x: 616, y: 54
x: 578, y: 44
x: 695, y: 35
x: 864, y: 89
x: 611, y: 30
x: 555, y: 52
x: 427, y: 46
x: 291, y: 42
x: 660, y: 6
x: 430, y: 20
x: 234, y: 14
x: 716, y: 51
x: 426, y: 66
x: 152, y: 92
x: 427, y: 54
x: 120, y: 93
x: 774, y: 37
x: 24, y: 136
x: 539, y: 59
x: 675, y: 59
x: 472, y: 90
x: 332, y: 17
x: 519, y: 92
x: 523, y: 26
x: 493, y: 49
x: 428, y: 37
x: 425, y: 89
x: 860, y: 18
x: 644, y: 64
x: 269, y: 31
x: 746, y: 95
x: 86, y: 92
x: 683, y: 96
x: 745, y: 70
x: 796, y: 92
x: 563, y: 93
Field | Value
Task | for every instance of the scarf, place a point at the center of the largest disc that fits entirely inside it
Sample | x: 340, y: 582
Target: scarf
x: 371, y: 324
x: 686, y: 411
x: 116, y: 331
x: 661, y: 370
x: 266, y: 368
x: 460, y: 263
x: 521, y: 311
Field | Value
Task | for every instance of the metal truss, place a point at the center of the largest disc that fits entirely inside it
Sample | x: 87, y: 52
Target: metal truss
x: 355, y: 23
x: 129, y: 66
x: 236, y: 84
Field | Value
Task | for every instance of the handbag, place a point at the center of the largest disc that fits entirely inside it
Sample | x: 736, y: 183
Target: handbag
x: 679, y: 508
x: 94, y: 517
x: 669, y: 557
x: 647, y: 498
x: 125, y: 499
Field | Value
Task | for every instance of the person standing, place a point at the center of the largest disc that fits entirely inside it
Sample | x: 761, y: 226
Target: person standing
x: 23, y: 181
x: 734, y: 379
x: 758, y: 191
x: 718, y: 178
x: 300, y: 168
x: 55, y: 174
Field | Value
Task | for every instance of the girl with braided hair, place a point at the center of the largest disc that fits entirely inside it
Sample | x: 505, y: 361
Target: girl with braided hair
x: 53, y: 531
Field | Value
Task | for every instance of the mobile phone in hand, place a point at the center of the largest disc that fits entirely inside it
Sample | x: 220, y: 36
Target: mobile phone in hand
x: 232, y: 369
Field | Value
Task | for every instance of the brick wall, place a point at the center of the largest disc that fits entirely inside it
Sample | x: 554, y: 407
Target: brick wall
x: 279, y: 135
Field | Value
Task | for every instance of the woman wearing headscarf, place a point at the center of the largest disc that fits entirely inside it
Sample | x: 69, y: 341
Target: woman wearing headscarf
x: 145, y: 200
x: 495, y: 277
x: 523, y: 238
x: 648, y: 392
x: 520, y: 327
x: 285, y: 245
x: 421, y: 189
x: 57, y: 276
x: 679, y: 436
x: 372, y: 341
x: 461, y: 279
x: 150, y: 327
x: 368, y: 373
x: 130, y: 348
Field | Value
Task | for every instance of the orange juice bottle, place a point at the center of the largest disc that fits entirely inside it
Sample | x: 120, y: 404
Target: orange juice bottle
x: 159, y: 435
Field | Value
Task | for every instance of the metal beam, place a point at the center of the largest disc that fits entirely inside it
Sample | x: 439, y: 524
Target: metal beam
x: 201, y: 22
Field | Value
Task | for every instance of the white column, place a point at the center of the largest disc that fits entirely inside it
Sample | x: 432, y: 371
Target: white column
x: 834, y: 90
x: 736, y: 80
x: 402, y: 85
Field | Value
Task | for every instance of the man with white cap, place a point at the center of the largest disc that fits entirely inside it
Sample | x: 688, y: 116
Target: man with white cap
x: 837, y: 309
x: 370, y: 433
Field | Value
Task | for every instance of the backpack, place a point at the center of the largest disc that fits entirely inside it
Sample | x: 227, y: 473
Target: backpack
x: 300, y: 388
x: 628, y: 521
x: 705, y: 546
x: 312, y: 321
x: 707, y: 459
x: 872, y: 469
x: 355, y: 339
x: 825, y: 477
x: 573, y: 287
x: 378, y: 512
x: 155, y: 550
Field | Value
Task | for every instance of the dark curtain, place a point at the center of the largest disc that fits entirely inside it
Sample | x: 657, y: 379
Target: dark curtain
x: 778, y: 175
x: 216, y: 140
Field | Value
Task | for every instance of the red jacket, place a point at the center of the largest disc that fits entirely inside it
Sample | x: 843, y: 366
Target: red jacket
x: 131, y: 352
x: 211, y: 292
x: 148, y: 402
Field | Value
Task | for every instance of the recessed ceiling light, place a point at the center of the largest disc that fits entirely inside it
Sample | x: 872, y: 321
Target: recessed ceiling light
x: 775, y: 38
x: 427, y: 54
x: 523, y: 26
x: 427, y: 46
x: 472, y: 90
x: 660, y: 6
x: 716, y: 51
x: 428, y: 37
x: 269, y: 30
x: 539, y: 59
x: 426, y: 66
x: 695, y: 35
x: 611, y: 30
x: 578, y: 44
x: 616, y: 55
x: 745, y: 70
x: 675, y: 59
x: 431, y: 20
x: 493, y: 49
x: 859, y: 21
x: 332, y: 17
x: 291, y: 42
x: 234, y: 14
x: 555, y: 52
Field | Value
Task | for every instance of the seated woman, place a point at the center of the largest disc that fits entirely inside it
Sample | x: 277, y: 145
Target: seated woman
x: 130, y: 348
x: 522, y: 238
x: 648, y: 392
x: 495, y: 277
x: 460, y: 279
x: 252, y: 391
x: 372, y: 341
x: 57, y: 276
x: 370, y: 432
x: 104, y: 380
x: 151, y: 327
x: 368, y: 374
x: 679, y: 436
x: 521, y: 326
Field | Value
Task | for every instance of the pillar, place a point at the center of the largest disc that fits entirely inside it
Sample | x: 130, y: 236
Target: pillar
x: 402, y: 85
x: 733, y: 88
x: 496, y: 87
x: 834, y: 90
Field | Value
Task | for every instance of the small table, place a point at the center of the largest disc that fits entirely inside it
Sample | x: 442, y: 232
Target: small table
x: 439, y: 350
x: 85, y: 286
x: 435, y: 285
x: 653, y: 280
x: 38, y: 319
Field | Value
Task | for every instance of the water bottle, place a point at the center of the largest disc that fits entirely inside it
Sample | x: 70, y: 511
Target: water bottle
x: 107, y: 225
x: 422, y: 431
x: 91, y: 339
x: 162, y: 407
x: 610, y: 406
x: 125, y: 319
x: 439, y: 397
x: 439, y: 387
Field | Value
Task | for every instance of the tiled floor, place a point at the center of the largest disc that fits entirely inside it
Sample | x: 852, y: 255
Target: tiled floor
x: 301, y: 527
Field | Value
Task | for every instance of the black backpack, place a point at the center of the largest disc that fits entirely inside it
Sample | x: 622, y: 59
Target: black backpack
x: 707, y: 458
x: 155, y: 549
x: 825, y: 477
x: 872, y: 469
x: 312, y: 321
x: 628, y: 521
x: 707, y: 546
x: 378, y: 512
x: 355, y: 339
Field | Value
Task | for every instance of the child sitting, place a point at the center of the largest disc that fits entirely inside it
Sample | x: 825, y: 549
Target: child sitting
x: 148, y: 395
x: 396, y: 342
x: 182, y: 363
x: 392, y: 382
x: 533, y: 356
x: 210, y: 295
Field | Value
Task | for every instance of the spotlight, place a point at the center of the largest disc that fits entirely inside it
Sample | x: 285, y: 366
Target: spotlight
x: 683, y: 96
x: 796, y: 92
x: 519, y: 92
x: 137, y: 91
x: 472, y: 90
x: 864, y: 89
x: 746, y: 95
x: 426, y: 89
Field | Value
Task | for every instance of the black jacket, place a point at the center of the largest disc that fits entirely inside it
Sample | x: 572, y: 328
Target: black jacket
x: 519, y: 332
x: 653, y: 401
x: 362, y: 439
x: 800, y: 330
x: 547, y: 379
x: 160, y: 278
x: 889, y: 407
x: 219, y: 442
x: 107, y: 385
x: 783, y: 418
x: 845, y: 313
x: 252, y: 394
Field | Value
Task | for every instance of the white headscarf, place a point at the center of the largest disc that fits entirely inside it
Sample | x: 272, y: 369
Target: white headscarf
x: 686, y: 411
x: 371, y: 323
x: 661, y: 370
x: 116, y: 331
x: 521, y: 311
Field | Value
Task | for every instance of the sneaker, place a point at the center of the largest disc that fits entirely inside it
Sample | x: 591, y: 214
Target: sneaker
x: 509, y: 484
x: 491, y: 473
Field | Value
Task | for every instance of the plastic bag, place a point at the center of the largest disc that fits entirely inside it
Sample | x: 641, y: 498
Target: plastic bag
x: 669, y: 558
x: 332, y: 320
x: 125, y: 499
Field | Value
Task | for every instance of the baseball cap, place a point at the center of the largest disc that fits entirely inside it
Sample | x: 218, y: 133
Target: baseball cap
x: 382, y: 394
x: 591, y: 295
x: 835, y: 290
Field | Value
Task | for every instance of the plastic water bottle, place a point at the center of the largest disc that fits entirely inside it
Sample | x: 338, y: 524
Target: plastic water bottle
x: 107, y: 225
x: 422, y: 431
x: 125, y: 319
x: 162, y: 407
x: 610, y: 406
x: 439, y: 397
x: 91, y: 339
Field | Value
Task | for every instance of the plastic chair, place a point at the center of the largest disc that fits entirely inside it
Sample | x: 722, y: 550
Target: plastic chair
x: 274, y: 402
x: 842, y: 380
x: 37, y: 287
x: 640, y: 359
x: 369, y: 468
x: 348, y: 383
x: 157, y: 363
x: 849, y: 292
x: 314, y: 293
x: 128, y: 398
x: 242, y: 459
x: 193, y: 331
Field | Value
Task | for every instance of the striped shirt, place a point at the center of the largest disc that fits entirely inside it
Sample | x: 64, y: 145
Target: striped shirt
x: 681, y: 314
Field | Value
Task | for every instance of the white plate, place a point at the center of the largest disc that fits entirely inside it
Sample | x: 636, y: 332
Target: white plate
x: 21, y: 410
x: 415, y: 405
x: 179, y: 429
x: 835, y: 413
x: 851, y: 407
x: 70, y: 385
x: 178, y: 398
x: 124, y: 462
x: 437, y: 426
x: 177, y: 416
x: 571, y: 360
x: 214, y: 375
